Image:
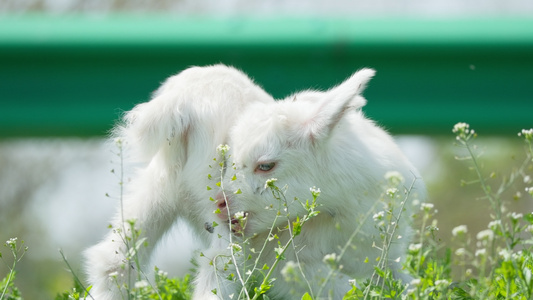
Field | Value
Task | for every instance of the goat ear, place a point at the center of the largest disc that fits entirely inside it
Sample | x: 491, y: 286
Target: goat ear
x: 152, y: 126
x: 336, y: 101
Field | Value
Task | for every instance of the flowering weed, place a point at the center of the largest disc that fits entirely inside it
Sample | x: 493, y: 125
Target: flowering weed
x: 8, y: 291
x: 493, y: 263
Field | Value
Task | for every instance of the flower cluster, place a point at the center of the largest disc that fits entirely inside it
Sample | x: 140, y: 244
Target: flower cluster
x: 241, y: 215
x: 290, y: 271
x: 330, y: 259
x: 12, y: 242
x: 222, y: 150
x: 394, y: 178
x: 427, y: 206
x: 392, y: 192
x: 459, y: 230
x: 529, y: 190
x: 315, y: 191
x: 516, y: 216
x: 415, y: 248
x: 527, y: 134
x: 463, y: 131
x: 270, y: 183
x: 494, y: 225
x: 378, y: 216
x: 485, y: 235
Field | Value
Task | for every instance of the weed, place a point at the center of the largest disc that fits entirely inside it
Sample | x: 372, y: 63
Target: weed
x: 495, y: 263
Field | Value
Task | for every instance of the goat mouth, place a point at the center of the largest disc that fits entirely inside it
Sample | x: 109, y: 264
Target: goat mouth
x: 236, y: 221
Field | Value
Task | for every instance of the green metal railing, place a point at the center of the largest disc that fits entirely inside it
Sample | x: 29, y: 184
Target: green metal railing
x: 74, y: 75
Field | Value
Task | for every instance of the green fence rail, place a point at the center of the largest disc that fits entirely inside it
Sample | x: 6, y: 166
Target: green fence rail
x: 74, y: 75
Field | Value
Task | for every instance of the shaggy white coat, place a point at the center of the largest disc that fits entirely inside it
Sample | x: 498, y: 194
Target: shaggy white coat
x: 319, y: 139
x: 310, y: 139
x: 174, y: 137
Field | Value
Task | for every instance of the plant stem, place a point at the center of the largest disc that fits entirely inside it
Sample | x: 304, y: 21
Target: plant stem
x: 76, y: 278
x: 233, y: 258
x: 10, y: 275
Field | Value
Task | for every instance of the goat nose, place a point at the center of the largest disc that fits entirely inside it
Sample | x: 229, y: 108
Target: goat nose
x: 221, y: 200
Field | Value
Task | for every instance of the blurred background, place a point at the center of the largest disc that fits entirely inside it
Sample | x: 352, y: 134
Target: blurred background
x: 69, y: 68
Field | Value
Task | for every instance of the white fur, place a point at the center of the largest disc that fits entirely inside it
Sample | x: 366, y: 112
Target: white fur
x: 174, y: 136
x: 318, y: 139
x: 314, y: 138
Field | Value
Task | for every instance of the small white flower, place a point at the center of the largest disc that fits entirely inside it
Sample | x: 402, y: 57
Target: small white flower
x: 461, y: 126
x: 459, y: 230
x: 529, y: 228
x: 415, y: 248
x: 392, y: 192
x: 463, y: 131
x: 289, y: 269
x: 415, y: 282
x: 494, y: 225
x: 427, y: 206
x: 516, y: 216
x: 378, y: 216
x: 141, y: 284
x: 460, y: 252
x: 443, y: 282
x: 315, y: 191
x: 527, y: 179
x: 505, y: 254
x: 113, y: 274
x: 394, y: 178
x: 241, y: 215
x: 481, y: 252
x: 270, y: 182
x: 11, y: 242
x: 330, y: 259
x: 517, y: 255
x: 529, y: 190
x: 527, y: 133
x: 222, y: 149
x: 235, y: 247
x: 486, y: 234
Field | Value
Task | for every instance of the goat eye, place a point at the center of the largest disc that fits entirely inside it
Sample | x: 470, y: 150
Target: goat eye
x: 265, y: 167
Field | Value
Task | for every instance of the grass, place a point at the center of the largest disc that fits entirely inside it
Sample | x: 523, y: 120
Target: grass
x: 494, y: 263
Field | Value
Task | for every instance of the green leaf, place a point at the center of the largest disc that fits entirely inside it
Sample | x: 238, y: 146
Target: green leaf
x: 208, y: 188
x: 306, y: 296
x: 297, y: 226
